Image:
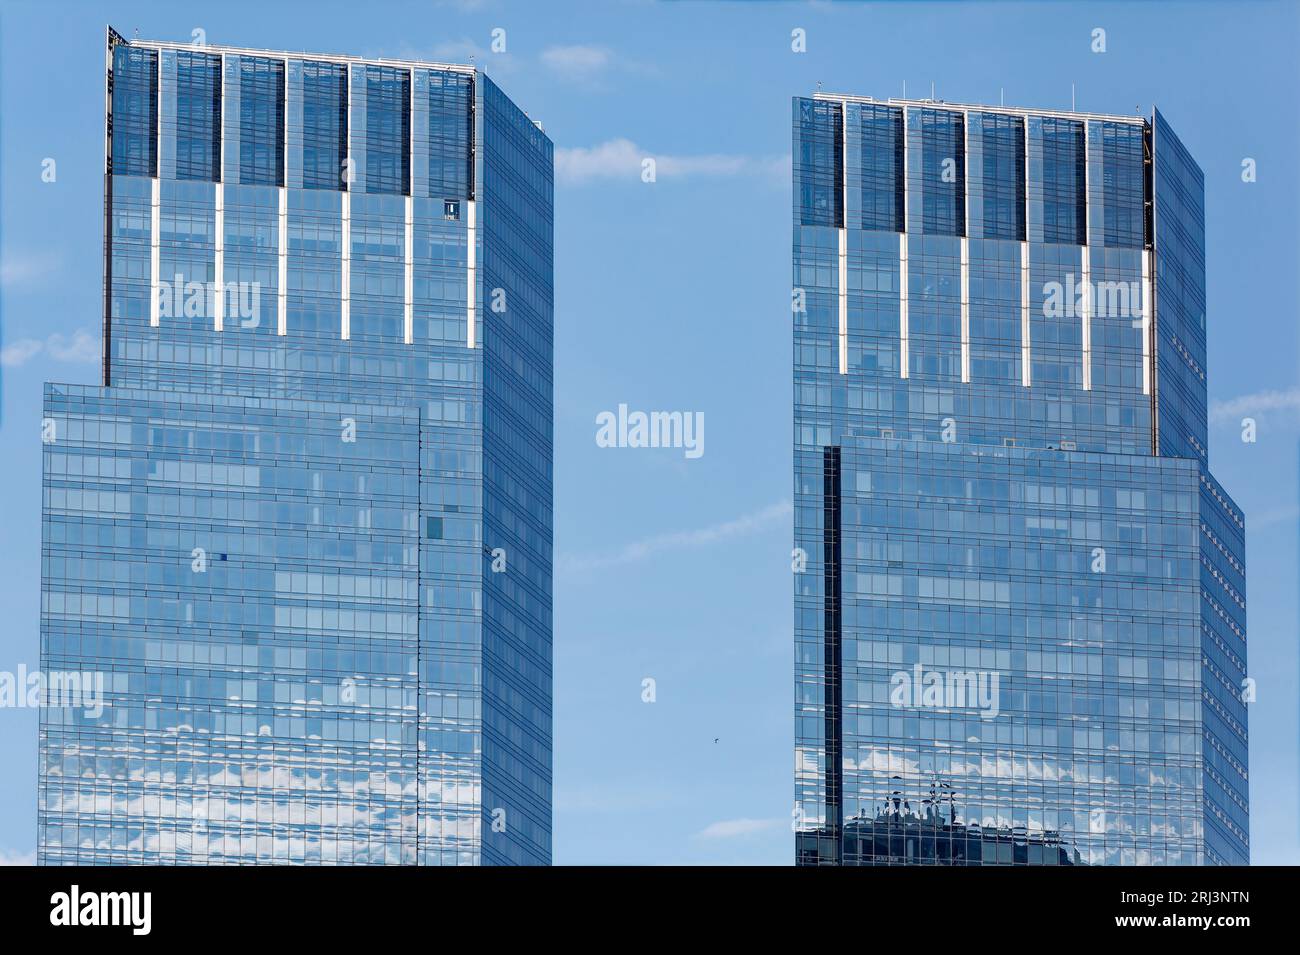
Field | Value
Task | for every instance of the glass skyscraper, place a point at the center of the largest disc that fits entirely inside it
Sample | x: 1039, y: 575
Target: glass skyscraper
x: 1020, y: 607
x: 305, y: 527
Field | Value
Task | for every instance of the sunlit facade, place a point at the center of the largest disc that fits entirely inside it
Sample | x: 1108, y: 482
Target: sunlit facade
x: 1020, y: 617
x: 305, y: 528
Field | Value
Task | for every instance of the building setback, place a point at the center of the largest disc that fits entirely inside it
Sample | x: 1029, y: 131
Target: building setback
x: 1020, y: 621
x: 305, y: 527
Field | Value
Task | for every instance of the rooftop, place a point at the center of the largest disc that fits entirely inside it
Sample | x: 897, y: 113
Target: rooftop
x: 289, y: 54
x: 980, y: 107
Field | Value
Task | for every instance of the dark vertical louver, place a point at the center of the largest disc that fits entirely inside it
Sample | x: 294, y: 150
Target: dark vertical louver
x: 832, y: 643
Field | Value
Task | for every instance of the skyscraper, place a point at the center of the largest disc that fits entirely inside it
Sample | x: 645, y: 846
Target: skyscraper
x: 1020, y: 617
x: 304, y: 529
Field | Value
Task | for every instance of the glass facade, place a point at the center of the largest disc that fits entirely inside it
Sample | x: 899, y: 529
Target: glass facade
x: 193, y: 114
x: 305, y: 528
x: 318, y: 114
x: 258, y: 84
x: 881, y: 159
x: 381, y: 118
x: 940, y: 181
x: 1058, y: 169
x: 998, y: 189
x: 1020, y: 611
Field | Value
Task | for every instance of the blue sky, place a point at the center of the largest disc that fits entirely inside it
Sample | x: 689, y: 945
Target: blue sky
x: 674, y: 295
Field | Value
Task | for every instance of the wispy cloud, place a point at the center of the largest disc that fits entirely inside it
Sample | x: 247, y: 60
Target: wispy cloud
x: 736, y: 828
x: 80, y: 348
x: 591, y: 65
x: 10, y: 857
x: 18, y: 353
x: 578, y: 62
x: 621, y: 159
x: 678, y: 540
x: 1261, y: 401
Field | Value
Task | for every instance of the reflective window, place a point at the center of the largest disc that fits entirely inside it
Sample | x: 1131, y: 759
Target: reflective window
x: 272, y: 546
x: 198, y: 116
x: 1018, y: 630
x: 940, y: 135
x: 1063, y: 180
x: 1002, y: 141
x: 324, y: 124
x: 261, y: 121
x: 881, y: 130
x: 135, y: 111
x: 819, y: 163
x: 387, y: 92
x: 1123, y: 148
x: 451, y: 133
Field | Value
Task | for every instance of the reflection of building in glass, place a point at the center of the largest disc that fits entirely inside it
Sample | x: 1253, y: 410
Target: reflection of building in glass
x: 1002, y: 488
x: 932, y: 833
x: 305, y: 527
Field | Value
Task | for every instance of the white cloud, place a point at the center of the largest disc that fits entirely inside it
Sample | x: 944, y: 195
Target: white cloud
x: 81, y: 348
x: 617, y: 158
x: 1261, y: 401
x: 734, y: 828
x: 622, y: 158
x: 578, y: 61
x: 10, y: 857
x: 639, y: 550
x: 18, y: 353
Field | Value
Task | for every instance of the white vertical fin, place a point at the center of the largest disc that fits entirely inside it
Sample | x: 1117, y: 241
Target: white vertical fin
x: 282, y: 242
x: 844, y: 302
x: 282, y: 286
x: 902, y: 305
x: 345, y: 304
x: 1026, y: 379
x: 965, y: 248
x: 902, y: 266
x: 155, y: 239
x: 345, y: 330
x: 1085, y: 314
x: 219, y: 264
x: 408, y: 315
x: 965, y: 309
x: 1024, y: 315
x: 1086, y: 258
x: 844, y: 240
x: 471, y: 257
x: 155, y: 212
